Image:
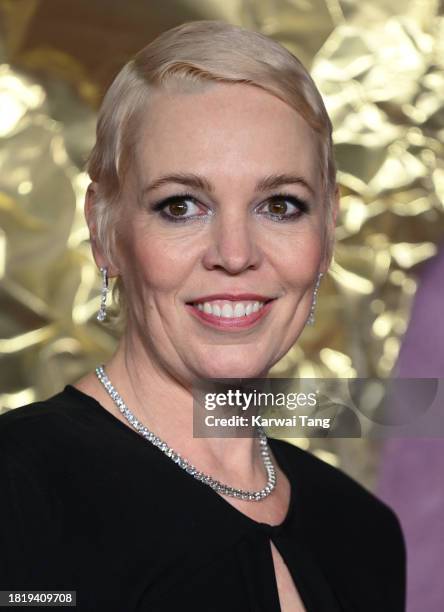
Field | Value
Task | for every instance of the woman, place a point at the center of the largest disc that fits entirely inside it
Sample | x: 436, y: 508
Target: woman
x: 212, y: 201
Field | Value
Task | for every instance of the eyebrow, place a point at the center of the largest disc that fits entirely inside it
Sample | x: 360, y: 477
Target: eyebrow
x: 200, y: 182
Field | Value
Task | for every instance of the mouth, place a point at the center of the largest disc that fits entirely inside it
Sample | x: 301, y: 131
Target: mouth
x: 229, y: 313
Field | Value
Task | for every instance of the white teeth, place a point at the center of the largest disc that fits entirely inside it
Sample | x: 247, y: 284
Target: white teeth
x: 231, y: 309
x: 227, y: 311
x: 239, y: 310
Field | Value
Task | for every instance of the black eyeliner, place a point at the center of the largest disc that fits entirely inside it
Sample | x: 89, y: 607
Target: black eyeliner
x: 301, y: 203
x: 170, y: 199
x: 162, y: 204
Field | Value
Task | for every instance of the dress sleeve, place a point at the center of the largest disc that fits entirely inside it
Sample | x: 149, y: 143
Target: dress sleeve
x: 28, y: 527
x: 394, y: 549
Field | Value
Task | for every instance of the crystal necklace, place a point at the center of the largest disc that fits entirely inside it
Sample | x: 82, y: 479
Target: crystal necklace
x: 183, y: 463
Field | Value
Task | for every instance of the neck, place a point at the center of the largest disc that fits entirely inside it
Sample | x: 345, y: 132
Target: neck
x: 164, y: 404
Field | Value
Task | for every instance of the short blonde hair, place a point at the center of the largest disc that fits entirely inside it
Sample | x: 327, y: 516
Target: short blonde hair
x: 188, y: 57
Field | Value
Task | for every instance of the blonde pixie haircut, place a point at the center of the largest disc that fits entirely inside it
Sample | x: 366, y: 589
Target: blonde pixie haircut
x: 186, y: 59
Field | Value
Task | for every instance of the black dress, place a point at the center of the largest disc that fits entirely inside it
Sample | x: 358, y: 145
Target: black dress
x: 88, y: 505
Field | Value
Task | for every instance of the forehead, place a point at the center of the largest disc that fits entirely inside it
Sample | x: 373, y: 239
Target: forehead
x: 229, y: 132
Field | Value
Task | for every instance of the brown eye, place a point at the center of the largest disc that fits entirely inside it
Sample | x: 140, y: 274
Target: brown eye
x: 278, y: 207
x: 177, y: 209
x: 285, y: 208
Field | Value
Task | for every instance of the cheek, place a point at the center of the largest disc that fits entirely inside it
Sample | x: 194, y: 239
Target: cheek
x: 299, y: 258
x: 157, y: 265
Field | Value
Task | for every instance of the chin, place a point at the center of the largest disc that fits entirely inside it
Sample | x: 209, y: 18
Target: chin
x: 235, y: 369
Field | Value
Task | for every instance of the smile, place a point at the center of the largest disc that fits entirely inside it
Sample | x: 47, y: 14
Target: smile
x: 230, y: 313
x: 230, y: 310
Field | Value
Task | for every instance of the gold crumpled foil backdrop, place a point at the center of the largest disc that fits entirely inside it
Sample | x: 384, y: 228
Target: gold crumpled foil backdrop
x: 379, y: 66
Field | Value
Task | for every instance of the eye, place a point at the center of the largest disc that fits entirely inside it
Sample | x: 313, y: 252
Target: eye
x: 178, y: 208
x: 285, y: 207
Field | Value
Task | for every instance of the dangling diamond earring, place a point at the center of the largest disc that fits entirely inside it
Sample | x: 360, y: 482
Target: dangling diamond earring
x: 101, y: 315
x: 311, y: 317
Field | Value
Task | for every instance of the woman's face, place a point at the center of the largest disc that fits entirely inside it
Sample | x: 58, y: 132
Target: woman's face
x: 222, y: 231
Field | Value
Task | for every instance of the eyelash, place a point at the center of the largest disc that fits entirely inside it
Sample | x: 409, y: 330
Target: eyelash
x: 302, y: 204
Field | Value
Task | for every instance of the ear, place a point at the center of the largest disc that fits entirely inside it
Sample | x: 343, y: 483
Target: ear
x: 333, y: 217
x: 90, y: 216
x: 335, y: 206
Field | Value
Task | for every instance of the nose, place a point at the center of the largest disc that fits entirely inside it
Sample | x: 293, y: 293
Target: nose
x: 233, y: 243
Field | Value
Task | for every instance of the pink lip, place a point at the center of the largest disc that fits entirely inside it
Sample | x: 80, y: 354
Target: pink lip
x: 236, y: 322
